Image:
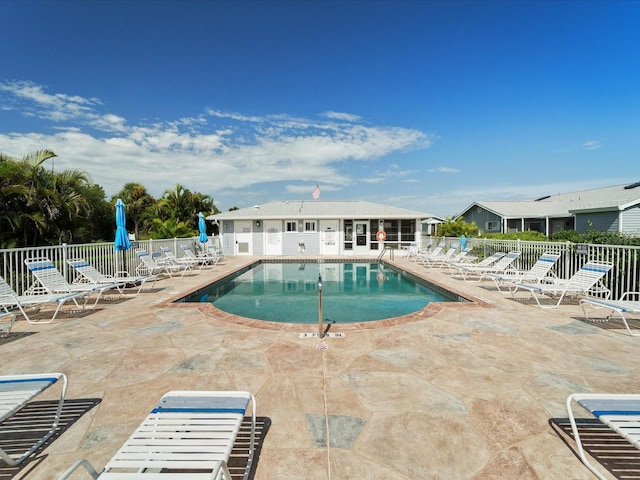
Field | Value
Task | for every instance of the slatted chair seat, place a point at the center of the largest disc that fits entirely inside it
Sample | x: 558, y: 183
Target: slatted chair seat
x: 49, y: 279
x: 9, y: 299
x: 622, y: 306
x: 18, y: 390
x: 187, y: 435
x: 587, y: 279
x: 87, y: 273
x: 620, y: 412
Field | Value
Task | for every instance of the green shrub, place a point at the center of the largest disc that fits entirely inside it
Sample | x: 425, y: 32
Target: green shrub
x: 528, y: 235
x: 597, y: 238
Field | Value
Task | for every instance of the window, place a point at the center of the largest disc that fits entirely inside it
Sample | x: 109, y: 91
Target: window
x: 348, y: 234
x: 493, y: 226
x: 292, y: 226
x: 309, y: 226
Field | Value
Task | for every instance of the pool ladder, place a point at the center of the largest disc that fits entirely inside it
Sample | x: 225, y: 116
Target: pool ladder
x: 384, y: 250
x: 320, y: 330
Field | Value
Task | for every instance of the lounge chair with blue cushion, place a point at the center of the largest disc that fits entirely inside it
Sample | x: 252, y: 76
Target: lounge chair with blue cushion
x: 475, y: 272
x: 50, y: 280
x: 15, y: 392
x: 170, y: 258
x: 10, y: 300
x: 587, y: 279
x: 87, y: 273
x: 620, y: 412
x: 629, y: 302
x: 538, y: 273
x: 187, y: 435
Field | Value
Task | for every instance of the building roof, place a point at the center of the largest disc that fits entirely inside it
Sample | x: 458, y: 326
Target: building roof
x: 618, y: 197
x: 300, y: 209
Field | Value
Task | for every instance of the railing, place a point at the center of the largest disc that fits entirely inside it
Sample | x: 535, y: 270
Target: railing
x: 625, y: 276
x: 100, y: 255
x: 385, y: 250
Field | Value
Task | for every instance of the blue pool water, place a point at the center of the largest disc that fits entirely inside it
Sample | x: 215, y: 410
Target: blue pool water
x: 288, y: 292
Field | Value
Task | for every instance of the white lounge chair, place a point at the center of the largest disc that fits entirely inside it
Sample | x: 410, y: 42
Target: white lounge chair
x: 7, y: 319
x: 9, y: 299
x: 485, y: 262
x: 420, y: 257
x: 190, y: 433
x: 586, y: 279
x: 171, y: 259
x: 87, y: 273
x: 201, y: 259
x: 538, y: 272
x: 435, y: 260
x: 50, y: 280
x: 214, y: 251
x: 625, y: 304
x: 149, y: 266
x: 15, y: 392
x: 620, y: 412
x: 412, y: 250
x: 469, y: 272
x: 460, y: 258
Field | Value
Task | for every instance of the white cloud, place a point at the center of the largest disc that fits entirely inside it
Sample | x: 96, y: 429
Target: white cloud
x: 444, y: 170
x: 198, y: 151
x: 347, y: 117
x: 592, y: 145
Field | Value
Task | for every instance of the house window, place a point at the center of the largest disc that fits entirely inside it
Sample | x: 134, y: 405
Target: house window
x: 292, y: 226
x: 309, y: 226
x: 493, y: 226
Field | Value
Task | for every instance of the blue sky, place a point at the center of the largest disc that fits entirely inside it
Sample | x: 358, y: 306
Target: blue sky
x: 428, y: 105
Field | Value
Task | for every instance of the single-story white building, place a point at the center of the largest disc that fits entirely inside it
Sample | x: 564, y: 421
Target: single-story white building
x: 317, y: 228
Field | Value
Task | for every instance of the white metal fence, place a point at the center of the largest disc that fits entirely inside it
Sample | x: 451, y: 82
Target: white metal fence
x: 100, y: 255
x: 625, y: 276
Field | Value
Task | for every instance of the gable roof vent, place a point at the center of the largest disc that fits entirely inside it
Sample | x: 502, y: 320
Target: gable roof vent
x: 542, y: 198
x: 633, y: 185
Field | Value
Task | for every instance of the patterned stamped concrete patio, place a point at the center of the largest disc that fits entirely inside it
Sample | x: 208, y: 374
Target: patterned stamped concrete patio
x: 455, y: 391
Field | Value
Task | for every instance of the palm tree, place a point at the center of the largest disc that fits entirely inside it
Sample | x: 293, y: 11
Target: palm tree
x: 137, y: 201
x: 41, y: 206
x: 170, y: 228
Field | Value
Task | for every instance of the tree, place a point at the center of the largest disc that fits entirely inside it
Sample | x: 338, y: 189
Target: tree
x: 137, y: 201
x: 170, y: 228
x: 457, y: 227
x: 40, y: 206
x: 181, y: 205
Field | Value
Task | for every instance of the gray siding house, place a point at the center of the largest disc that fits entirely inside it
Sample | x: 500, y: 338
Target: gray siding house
x: 317, y: 228
x: 612, y: 209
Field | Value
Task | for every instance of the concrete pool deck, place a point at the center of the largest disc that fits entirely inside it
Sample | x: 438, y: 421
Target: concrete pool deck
x: 455, y: 391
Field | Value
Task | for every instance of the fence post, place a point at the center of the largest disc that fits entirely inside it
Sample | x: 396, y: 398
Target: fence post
x: 64, y: 261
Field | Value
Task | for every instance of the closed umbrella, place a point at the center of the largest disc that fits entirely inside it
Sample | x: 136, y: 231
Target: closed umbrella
x: 122, y: 237
x: 203, y: 229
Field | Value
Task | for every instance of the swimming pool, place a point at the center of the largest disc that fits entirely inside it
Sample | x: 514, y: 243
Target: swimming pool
x: 287, y: 292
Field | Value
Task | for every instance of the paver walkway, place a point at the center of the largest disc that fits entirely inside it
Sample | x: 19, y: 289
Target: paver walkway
x: 456, y: 391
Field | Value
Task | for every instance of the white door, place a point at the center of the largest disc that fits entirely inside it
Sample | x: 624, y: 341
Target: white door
x: 243, y: 238
x: 273, y: 237
x: 329, y: 237
x: 361, y: 237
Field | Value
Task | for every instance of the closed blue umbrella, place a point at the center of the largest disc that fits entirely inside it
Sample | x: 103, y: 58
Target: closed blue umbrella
x: 203, y: 229
x: 122, y: 237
